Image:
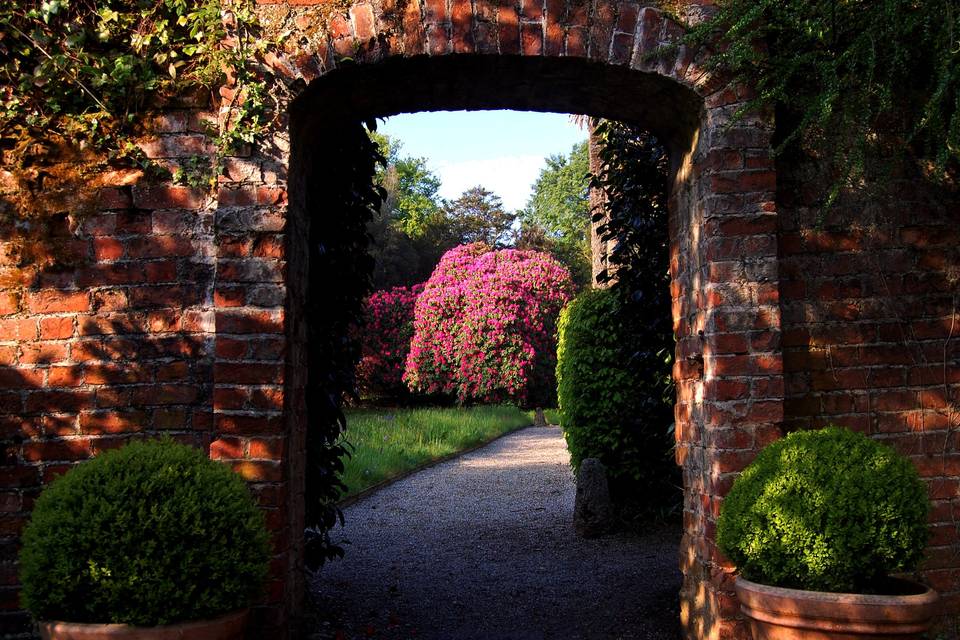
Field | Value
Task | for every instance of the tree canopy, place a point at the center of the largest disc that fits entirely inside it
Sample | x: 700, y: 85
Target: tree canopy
x: 560, y: 202
x: 478, y: 216
x: 557, y: 216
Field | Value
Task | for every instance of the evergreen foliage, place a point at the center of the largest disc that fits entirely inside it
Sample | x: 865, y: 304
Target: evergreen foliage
x: 608, y: 410
x: 153, y: 533
x: 827, y: 510
x: 628, y: 424
x: 852, y: 81
x: 478, y: 216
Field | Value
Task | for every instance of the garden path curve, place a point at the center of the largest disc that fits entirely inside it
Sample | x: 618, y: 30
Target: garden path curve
x: 482, y: 547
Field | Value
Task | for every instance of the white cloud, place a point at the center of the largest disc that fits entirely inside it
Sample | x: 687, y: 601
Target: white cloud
x: 510, y: 177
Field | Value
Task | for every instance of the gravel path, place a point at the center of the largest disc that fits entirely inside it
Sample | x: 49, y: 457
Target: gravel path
x: 482, y: 547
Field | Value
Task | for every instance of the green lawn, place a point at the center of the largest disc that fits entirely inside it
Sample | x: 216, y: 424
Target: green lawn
x: 389, y: 442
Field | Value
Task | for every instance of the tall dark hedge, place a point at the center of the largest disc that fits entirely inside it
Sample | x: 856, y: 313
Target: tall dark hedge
x: 152, y: 533
x: 611, y: 410
x: 827, y: 510
x: 624, y: 416
x: 342, y: 198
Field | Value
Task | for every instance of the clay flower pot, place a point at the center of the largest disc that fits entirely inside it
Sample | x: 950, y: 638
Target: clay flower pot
x: 228, y: 627
x: 775, y: 613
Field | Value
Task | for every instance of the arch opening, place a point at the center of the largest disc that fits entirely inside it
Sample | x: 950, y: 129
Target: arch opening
x: 326, y: 125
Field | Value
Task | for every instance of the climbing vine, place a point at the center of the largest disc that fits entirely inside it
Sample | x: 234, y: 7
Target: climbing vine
x: 853, y: 80
x: 79, y: 79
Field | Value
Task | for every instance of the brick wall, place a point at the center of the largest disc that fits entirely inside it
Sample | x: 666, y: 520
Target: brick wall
x: 166, y: 318
x: 870, y: 298
x: 118, y: 346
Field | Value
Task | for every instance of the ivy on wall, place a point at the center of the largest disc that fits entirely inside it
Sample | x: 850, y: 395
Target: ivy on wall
x: 78, y: 80
x: 852, y: 81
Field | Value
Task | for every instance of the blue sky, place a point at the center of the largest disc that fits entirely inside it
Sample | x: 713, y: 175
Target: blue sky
x: 500, y: 150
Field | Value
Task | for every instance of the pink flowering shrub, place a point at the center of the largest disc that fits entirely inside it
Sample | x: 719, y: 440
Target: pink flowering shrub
x: 385, y: 341
x: 485, y: 326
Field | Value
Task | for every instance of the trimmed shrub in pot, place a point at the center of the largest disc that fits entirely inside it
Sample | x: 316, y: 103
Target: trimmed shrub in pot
x: 818, y: 518
x: 149, y: 535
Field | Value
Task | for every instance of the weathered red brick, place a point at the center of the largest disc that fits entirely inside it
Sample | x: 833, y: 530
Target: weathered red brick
x: 42, y: 352
x: 227, y: 448
x: 248, y: 373
x: 53, y: 450
x: 168, y: 197
x: 362, y: 17
x: 461, y: 17
x: 248, y: 424
x: 267, y: 448
x: 508, y: 28
x: 531, y: 36
x: 107, y: 422
x: 257, y: 471
x: 240, y: 322
x: 106, y: 249
x: 56, y: 328
x: 54, y: 301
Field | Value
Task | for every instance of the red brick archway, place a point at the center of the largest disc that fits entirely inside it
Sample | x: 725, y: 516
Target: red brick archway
x: 723, y: 216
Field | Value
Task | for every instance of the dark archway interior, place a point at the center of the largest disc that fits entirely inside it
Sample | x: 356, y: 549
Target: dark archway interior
x: 332, y: 198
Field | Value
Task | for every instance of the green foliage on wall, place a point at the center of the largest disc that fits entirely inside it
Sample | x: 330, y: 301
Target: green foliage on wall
x: 79, y: 81
x: 152, y: 533
x: 88, y: 70
x: 827, y: 510
x: 853, y: 81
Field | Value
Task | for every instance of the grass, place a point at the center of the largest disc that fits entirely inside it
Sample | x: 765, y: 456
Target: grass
x: 390, y: 442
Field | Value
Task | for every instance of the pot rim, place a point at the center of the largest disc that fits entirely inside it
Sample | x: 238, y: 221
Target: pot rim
x: 837, y: 613
x: 187, y: 625
x: 927, y: 597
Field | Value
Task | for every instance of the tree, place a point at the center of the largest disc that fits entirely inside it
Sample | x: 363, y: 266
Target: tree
x: 485, y: 326
x: 557, y: 216
x: 410, y: 232
x: 531, y: 236
x: 560, y: 201
x: 634, y: 179
x: 478, y: 216
x: 412, y: 188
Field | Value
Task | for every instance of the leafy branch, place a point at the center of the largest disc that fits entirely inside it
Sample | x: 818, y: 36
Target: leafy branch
x: 854, y: 80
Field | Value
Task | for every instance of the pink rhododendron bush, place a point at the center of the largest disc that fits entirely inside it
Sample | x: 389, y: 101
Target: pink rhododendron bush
x: 385, y: 341
x: 485, y: 326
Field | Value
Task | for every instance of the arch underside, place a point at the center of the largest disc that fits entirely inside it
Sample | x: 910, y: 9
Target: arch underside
x: 478, y: 82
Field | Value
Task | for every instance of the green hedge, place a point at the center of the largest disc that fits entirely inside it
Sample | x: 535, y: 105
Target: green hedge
x: 611, y: 408
x: 152, y: 533
x: 827, y: 510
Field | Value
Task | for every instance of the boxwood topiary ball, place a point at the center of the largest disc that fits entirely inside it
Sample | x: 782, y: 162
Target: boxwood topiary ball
x: 153, y: 533
x: 828, y: 510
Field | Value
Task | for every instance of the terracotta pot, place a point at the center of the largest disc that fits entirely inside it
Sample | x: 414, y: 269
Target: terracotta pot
x: 228, y: 627
x: 775, y: 613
